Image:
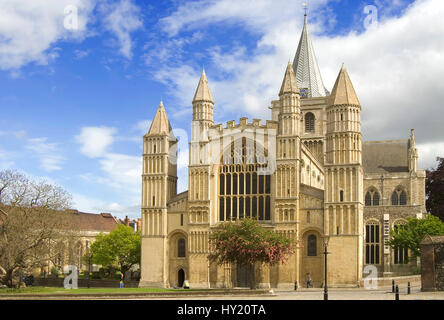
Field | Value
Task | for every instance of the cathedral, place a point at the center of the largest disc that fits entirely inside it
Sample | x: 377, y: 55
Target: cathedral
x: 306, y: 174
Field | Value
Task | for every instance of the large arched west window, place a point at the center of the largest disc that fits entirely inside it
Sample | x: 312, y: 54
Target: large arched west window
x: 244, y: 189
x: 181, y: 248
x: 309, y: 122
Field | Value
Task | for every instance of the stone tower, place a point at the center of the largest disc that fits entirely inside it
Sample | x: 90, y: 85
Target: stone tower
x: 199, y: 174
x: 288, y: 161
x: 159, y: 185
x: 343, y: 200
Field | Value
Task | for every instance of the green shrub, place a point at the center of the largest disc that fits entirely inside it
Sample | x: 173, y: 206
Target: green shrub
x: 55, y: 271
x: 416, y: 270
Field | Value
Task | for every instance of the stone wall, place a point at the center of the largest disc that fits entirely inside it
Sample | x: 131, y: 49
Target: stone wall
x: 439, y: 266
x: 83, y: 283
x: 432, y: 263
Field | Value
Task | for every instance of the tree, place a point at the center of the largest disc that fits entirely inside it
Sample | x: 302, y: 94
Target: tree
x: 435, y: 190
x: 411, y: 234
x: 119, y: 249
x: 245, y: 243
x: 31, y: 223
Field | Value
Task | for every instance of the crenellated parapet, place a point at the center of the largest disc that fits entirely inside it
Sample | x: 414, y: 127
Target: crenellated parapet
x: 243, y: 124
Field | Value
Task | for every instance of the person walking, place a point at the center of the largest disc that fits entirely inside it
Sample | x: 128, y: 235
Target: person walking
x: 309, y: 285
x: 121, y: 281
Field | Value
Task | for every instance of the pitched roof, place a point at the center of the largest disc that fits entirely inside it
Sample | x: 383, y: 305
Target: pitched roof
x: 343, y: 91
x: 305, y: 66
x: 81, y: 221
x: 103, y: 222
x: 385, y: 156
x: 179, y: 196
x: 160, y: 124
x: 289, y: 84
x: 203, y: 92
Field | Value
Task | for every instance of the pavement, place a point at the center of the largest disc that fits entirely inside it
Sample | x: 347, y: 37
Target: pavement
x: 381, y: 293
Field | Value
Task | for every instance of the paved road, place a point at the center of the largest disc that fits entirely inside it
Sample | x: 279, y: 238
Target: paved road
x: 334, y: 294
x: 382, y: 293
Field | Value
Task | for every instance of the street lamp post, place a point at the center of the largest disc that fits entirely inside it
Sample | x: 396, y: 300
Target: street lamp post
x: 326, y: 239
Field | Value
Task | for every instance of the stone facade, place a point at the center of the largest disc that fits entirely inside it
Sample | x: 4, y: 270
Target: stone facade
x: 86, y: 227
x: 305, y: 174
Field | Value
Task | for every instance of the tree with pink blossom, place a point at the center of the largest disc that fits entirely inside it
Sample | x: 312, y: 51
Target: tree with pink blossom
x: 246, y: 242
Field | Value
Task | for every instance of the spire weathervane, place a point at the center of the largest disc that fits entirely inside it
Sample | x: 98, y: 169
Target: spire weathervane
x: 305, y: 5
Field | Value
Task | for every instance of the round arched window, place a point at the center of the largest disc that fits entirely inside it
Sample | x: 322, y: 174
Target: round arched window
x: 309, y: 122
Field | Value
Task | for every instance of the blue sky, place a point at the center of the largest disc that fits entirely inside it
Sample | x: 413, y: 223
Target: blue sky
x: 74, y: 104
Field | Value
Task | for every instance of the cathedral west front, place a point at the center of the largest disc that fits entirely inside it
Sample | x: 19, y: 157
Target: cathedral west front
x: 306, y: 173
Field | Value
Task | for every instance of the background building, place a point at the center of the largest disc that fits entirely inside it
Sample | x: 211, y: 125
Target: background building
x: 86, y: 227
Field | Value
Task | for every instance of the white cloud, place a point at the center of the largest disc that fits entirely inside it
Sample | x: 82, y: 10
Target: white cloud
x: 93, y: 205
x: 257, y: 15
x: 243, y: 79
x: 80, y: 54
x: 121, y: 19
x: 428, y: 153
x: 95, y: 141
x: 171, y: 49
x: 122, y: 171
x: 396, y: 68
x: 142, y: 127
x: 181, y: 88
x: 48, y: 153
x: 28, y: 29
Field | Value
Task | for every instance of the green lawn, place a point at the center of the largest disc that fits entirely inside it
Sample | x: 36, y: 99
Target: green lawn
x: 54, y: 290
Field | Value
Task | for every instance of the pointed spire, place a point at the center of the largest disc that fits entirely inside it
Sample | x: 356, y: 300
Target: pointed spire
x: 306, y: 67
x: 160, y: 124
x: 203, y: 92
x: 289, y: 84
x: 413, y: 152
x: 343, y: 91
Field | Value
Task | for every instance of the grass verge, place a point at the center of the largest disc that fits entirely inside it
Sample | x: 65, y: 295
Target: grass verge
x: 54, y: 290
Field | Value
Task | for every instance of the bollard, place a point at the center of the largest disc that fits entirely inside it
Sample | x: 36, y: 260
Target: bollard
x: 408, y: 288
x: 393, y: 286
x: 397, y: 293
x: 295, y: 285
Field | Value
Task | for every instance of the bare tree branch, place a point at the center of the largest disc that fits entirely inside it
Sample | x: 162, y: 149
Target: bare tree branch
x: 32, y: 221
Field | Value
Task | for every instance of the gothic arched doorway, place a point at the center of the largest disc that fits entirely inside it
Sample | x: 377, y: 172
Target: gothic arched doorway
x: 312, y: 258
x: 180, y: 277
x: 243, y: 276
